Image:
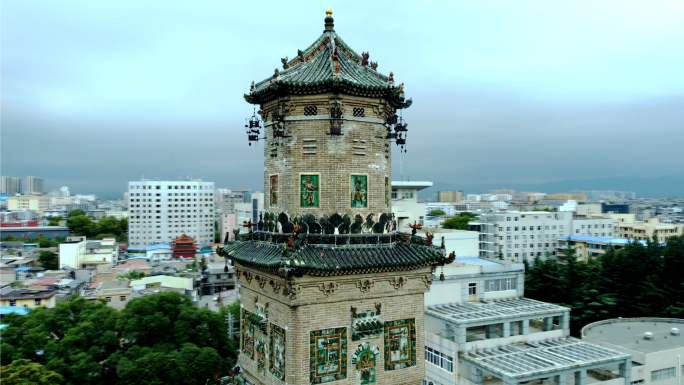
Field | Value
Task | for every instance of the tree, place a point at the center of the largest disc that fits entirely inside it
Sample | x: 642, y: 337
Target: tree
x: 54, y: 221
x: 217, y: 237
x: 457, y: 223
x: 109, y: 225
x: 124, y: 225
x: 161, y: 338
x: 25, y: 372
x: 75, y: 213
x: 435, y: 213
x: 81, y: 225
x: 44, y: 242
x: 49, y: 260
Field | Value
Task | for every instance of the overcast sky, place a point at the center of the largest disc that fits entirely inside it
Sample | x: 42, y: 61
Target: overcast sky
x: 99, y: 93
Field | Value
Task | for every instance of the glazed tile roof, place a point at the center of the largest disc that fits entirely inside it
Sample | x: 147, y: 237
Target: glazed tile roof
x: 316, y: 259
x: 315, y: 70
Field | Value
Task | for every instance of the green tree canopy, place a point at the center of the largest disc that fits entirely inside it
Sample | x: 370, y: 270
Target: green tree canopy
x: 75, y: 213
x: 54, y: 221
x: 457, y: 223
x: 435, y: 213
x: 639, y: 280
x: 156, y: 339
x: 25, y: 372
x: 49, y: 260
x: 109, y: 225
x: 82, y: 225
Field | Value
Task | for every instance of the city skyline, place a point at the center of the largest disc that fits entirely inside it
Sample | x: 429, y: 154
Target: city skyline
x: 110, y: 93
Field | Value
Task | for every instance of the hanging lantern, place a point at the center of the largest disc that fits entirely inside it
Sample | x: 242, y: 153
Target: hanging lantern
x: 253, y: 128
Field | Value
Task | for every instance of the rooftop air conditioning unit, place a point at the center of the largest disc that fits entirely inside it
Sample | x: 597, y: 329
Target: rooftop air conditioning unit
x: 648, y: 336
x: 674, y: 331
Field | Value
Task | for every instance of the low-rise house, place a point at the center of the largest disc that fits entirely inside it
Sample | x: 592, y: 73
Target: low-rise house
x: 28, y: 297
x: 217, y: 279
x: 114, y: 293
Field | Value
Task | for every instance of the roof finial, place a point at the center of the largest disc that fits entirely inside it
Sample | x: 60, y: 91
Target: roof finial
x: 329, y: 20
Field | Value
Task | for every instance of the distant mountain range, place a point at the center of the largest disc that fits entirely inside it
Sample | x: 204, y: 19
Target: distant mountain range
x: 660, y: 187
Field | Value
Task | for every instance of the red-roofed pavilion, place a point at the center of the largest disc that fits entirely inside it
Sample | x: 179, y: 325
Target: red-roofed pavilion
x: 184, y: 246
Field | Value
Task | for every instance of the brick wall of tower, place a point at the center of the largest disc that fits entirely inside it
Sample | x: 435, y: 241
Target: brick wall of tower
x: 361, y: 149
x: 315, y: 309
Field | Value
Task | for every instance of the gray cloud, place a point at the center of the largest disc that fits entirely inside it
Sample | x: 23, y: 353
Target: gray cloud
x: 97, y: 94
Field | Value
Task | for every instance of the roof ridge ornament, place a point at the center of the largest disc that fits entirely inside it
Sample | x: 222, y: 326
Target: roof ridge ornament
x: 329, y: 21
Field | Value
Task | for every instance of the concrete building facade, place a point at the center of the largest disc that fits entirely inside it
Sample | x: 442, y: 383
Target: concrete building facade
x: 160, y: 211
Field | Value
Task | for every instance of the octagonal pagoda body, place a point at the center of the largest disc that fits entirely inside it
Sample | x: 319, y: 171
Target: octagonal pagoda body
x: 331, y: 293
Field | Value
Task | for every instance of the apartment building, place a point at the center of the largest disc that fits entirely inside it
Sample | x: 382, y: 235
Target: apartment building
x: 525, y: 235
x: 34, y: 185
x: 450, y: 196
x: 11, y: 185
x: 647, y: 229
x: 160, y: 211
x: 480, y: 329
x: 588, y: 247
x: 37, y: 203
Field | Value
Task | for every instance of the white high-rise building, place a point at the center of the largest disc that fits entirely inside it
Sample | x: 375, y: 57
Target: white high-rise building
x: 11, y: 185
x: 160, y: 211
x: 34, y: 185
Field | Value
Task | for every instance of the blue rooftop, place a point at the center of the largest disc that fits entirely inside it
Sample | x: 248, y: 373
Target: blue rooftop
x: 612, y: 241
x: 22, y: 269
x: 4, y: 310
x: 157, y: 247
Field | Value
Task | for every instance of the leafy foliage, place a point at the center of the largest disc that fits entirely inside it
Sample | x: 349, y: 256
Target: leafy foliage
x: 156, y: 339
x: 435, y: 213
x: 75, y: 213
x: 25, y: 372
x: 457, y: 223
x: 635, y: 281
x: 49, y: 260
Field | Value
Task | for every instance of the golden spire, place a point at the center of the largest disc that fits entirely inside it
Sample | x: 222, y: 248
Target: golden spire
x: 328, y: 12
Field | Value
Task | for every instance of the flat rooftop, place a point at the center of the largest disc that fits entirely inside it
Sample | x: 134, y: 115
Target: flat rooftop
x: 522, y: 360
x: 472, y: 312
x: 629, y: 333
x: 418, y: 185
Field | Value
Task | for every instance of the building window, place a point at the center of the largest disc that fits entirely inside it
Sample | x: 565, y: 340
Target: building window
x: 310, y: 110
x: 637, y: 382
x: 442, y: 360
x: 37, y: 302
x: 499, y: 284
x: 13, y: 302
x: 122, y: 298
x: 662, y: 374
x: 359, y: 112
x: 508, y: 219
x: 472, y: 288
x: 109, y: 299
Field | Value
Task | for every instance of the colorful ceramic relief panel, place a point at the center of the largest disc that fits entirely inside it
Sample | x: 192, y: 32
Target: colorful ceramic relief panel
x: 247, y: 343
x: 364, y: 360
x: 276, y: 350
x: 388, y: 192
x: 328, y: 351
x: 274, y: 190
x: 310, y: 190
x: 261, y: 353
x: 359, y: 191
x: 400, y: 344
x: 367, y: 324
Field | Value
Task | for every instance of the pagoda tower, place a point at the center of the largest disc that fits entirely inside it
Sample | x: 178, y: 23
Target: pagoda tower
x: 184, y: 246
x: 331, y: 292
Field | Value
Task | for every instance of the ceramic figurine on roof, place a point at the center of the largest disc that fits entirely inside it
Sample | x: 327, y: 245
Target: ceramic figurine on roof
x: 328, y: 241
